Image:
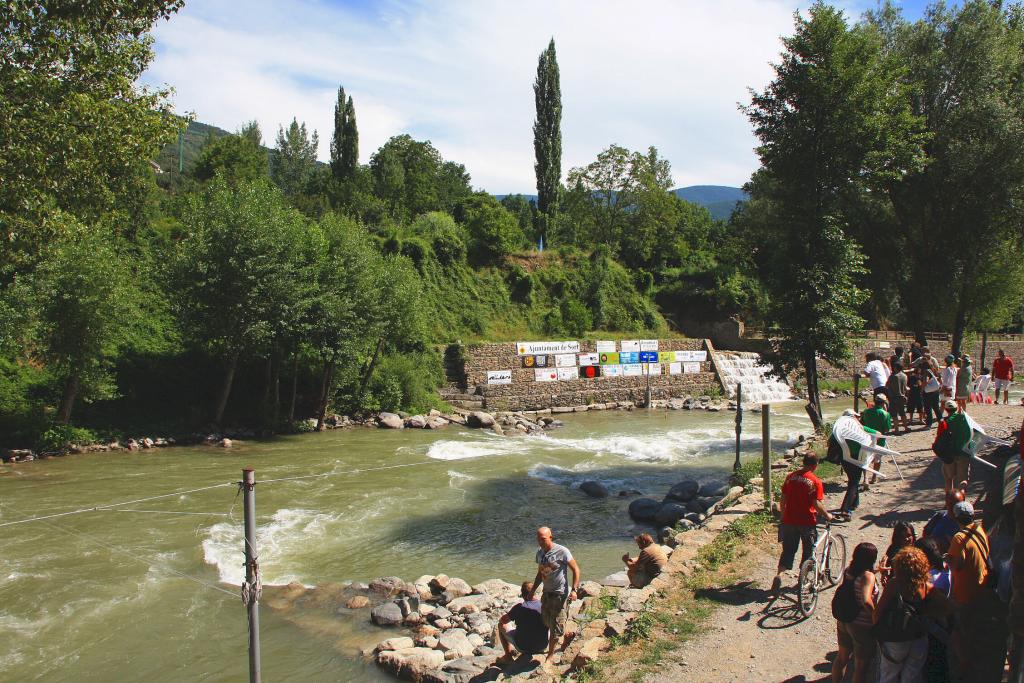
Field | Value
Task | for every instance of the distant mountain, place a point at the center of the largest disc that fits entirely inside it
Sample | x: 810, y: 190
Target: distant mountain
x: 719, y: 200
x: 196, y: 135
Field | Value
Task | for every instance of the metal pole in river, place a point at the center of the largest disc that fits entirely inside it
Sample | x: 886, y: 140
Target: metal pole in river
x: 251, y: 588
x: 766, y: 454
x: 739, y: 424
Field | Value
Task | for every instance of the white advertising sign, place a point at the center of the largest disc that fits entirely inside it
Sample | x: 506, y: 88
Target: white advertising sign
x: 691, y: 356
x: 675, y: 368
x: 499, y: 377
x: 648, y: 344
x: 629, y: 346
x: 632, y: 370
x: 691, y: 368
x: 565, y: 360
x: 611, y: 370
x: 545, y: 348
x: 568, y: 373
x: 605, y: 346
x: 652, y: 368
x: 589, y: 359
x: 545, y: 374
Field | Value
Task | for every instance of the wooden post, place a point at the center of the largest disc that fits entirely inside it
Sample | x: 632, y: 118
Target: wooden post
x: 251, y: 587
x: 766, y: 454
x: 856, y: 393
x: 739, y: 424
x: 984, y: 344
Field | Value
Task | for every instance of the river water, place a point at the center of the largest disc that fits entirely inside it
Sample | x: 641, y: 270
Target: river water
x: 131, y: 594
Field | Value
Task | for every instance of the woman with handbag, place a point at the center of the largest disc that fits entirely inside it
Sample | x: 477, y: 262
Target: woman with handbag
x: 899, y: 619
x: 853, y: 606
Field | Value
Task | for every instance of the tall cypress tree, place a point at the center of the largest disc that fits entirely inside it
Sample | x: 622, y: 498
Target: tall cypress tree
x: 345, y: 141
x: 547, y: 135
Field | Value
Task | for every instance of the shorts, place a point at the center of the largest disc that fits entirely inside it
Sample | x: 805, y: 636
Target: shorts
x: 959, y: 470
x: 511, y: 635
x: 554, y: 612
x: 792, y: 537
x: 1001, y: 384
x: 898, y: 407
x: 858, y: 639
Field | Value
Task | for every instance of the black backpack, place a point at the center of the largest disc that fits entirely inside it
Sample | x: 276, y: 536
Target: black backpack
x: 834, y: 454
x: 944, y: 448
x: 844, y: 603
x: 900, y: 623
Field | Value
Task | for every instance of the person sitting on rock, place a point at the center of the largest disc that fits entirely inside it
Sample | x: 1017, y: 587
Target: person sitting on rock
x: 530, y: 635
x: 648, y: 564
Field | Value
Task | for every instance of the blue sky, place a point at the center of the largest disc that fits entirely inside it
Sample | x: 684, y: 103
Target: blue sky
x: 460, y: 73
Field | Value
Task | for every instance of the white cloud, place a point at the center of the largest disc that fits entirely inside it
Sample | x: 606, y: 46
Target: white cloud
x: 460, y: 73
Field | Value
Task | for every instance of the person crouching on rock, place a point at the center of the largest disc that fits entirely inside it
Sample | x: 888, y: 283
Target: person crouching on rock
x: 530, y: 635
x: 553, y: 564
x: 648, y: 564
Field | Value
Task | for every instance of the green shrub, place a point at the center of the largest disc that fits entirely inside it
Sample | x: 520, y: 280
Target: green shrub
x: 520, y: 285
x: 58, y: 438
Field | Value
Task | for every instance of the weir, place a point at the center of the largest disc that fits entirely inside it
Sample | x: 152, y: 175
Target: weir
x: 759, y: 386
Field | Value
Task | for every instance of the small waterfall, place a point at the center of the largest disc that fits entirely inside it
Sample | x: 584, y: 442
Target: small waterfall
x: 742, y: 367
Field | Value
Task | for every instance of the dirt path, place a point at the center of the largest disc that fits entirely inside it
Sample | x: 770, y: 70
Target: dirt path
x: 745, y: 641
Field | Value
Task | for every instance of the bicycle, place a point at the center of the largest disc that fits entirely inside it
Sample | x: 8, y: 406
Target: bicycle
x: 823, y: 569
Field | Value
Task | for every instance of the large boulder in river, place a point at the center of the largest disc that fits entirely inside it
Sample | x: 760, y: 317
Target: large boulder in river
x: 416, y: 422
x: 684, y: 491
x: 644, y: 509
x: 388, y: 614
x: 713, y: 489
x: 670, y: 513
x: 594, y: 489
x: 390, y: 421
x: 480, y: 420
x: 413, y: 663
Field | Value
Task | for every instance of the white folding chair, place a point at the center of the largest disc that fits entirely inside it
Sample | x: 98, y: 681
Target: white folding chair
x: 848, y: 428
x: 980, y: 438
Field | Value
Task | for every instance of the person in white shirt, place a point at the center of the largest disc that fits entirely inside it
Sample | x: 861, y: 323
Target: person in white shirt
x: 948, y: 378
x: 877, y: 372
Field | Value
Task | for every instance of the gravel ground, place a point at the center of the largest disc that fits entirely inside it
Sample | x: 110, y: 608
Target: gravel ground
x: 752, y: 639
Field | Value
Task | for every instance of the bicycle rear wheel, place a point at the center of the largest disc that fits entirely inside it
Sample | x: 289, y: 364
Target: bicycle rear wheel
x: 807, y: 588
x: 835, y: 563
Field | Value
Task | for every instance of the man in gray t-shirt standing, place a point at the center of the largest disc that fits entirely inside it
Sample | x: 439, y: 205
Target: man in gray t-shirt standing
x: 553, y: 564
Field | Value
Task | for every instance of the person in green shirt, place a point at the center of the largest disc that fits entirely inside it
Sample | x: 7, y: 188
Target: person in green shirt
x: 853, y: 477
x: 876, y: 418
x: 959, y: 471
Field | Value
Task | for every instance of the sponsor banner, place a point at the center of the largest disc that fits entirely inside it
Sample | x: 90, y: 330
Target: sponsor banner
x: 652, y: 368
x: 590, y: 371
x: 565, y: 360
x: 632, y: 369
x: 535, y: 361
x: 883, y: 345
x: 499, y: 377
x: 567, y: 373
x: 629, y: 357
x: 648, y: 356
x: 611, y: 370
x: 604, y: 346
x: 546, y: 348
x: 648, y: 344
x: 609, y: 358
x: 691, y: 356
x: 633, y: 346
x: 590, y: 359
x: 545, y: 375
x: 666, y: 356
x: 675, y: 368
x: 691, y: 368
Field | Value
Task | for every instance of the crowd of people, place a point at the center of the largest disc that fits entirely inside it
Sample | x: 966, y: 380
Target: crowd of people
x: 931, y: 607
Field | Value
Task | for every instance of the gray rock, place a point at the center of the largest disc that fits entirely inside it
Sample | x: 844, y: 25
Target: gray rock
x: 712, y: 489
x: 707, y: 502
x: 468, y: 604
x: 390, y: 421
x: 387, y: 585
x: 589, y: 589
x: 436, y: 422
x: 686, y: 524
x: 413, y: 663
x: 594, y: 489
x: 695, y: 518
x: 644, y: 509
x: 388, y: 614
x: 416, y: 422
x: 684, y: 491
x: 400, y: 643
x: 480, y: 420
x: 616, y: 580
x: 670, y: 513
x: 440, y: 613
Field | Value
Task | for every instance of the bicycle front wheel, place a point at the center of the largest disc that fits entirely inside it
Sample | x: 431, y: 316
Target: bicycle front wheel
x: 807, y: 588
x: 835, y: 563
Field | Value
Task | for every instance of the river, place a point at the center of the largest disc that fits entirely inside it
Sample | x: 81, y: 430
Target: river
x: 131, y: 594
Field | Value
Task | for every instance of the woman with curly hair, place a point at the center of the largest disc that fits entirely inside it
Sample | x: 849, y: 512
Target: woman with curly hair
x: 899, y: 618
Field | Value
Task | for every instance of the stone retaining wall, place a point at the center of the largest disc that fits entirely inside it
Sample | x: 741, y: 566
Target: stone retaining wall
x: 525, y: 393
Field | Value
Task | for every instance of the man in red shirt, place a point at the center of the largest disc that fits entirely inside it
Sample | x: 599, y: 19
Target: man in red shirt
x: 801, y: 503
x: 1002, y: 373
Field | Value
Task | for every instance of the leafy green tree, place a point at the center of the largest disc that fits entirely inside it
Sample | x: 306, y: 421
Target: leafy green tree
x: 493, y: 231
x: 345, y: 142
x: 830, y: 122
x: 237, y: 157
x: 76, y: 128
x: 86, y: 306
x: 601, y: 182
x: 547, y: 134
x: 411, y: 178
x: 242, y: 272
x: 293, y: 165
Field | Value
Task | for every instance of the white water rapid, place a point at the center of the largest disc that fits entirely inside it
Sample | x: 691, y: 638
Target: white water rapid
x: 742, y: 367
